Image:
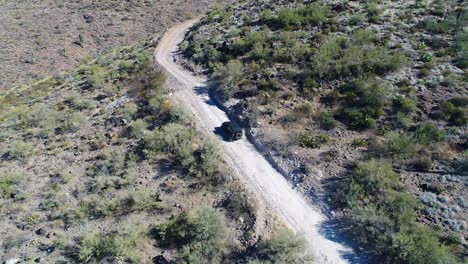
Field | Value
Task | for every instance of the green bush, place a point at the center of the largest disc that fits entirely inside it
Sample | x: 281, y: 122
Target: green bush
x: 314, y: 14
x: 126, y: 244
x: 195, y: 155
x: 238, y: 204
x: 200, y: 236
x: 420, y: 244
x: 357, y: 20
x: 427, y: 134
x: 96, y: 75
x: 283, y: 247
x: 355, y: 119
x: 228, y: 76
x: 11, y: 185
x: 384, y: 217
x: 399, y: 145
x: 135, y: 201
x: 327, y: 121
x: 461, y: 46
x: 369, y: 179
x: 19, y: 149
x: 131, y: 109
x: 363, y: 103
x: 434, y: 26
x: 404, y: 105
x: 359, y: 143
x: 72, y: 121
x: 38, y: 118
x: 454, y: 115
x: 200, y: 253
x: 308, y: 141
x: 111, y: 164
x: 138, y: 128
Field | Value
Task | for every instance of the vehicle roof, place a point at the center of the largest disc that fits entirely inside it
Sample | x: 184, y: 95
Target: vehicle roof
x: 235, y: 126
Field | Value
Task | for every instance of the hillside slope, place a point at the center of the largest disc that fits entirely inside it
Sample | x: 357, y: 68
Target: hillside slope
x: 100, y: 165
x: 39, y: 38
x: 363, y: 103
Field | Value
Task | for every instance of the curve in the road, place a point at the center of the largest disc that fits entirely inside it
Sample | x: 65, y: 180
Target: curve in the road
x: 252, y: 168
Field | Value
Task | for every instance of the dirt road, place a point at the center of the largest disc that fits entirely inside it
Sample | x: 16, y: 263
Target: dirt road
x: 252, y: 168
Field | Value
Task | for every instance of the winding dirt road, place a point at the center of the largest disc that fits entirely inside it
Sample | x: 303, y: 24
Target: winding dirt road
x: 252, y: 168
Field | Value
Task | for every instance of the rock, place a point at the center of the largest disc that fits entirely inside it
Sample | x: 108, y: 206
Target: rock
x: 37, y: 260
x: 160, y: 259
x: 12, y: 261
x: 433, y: 187
x: 456, y: 208
x: 462, y: 202
x: 462, y: 224
x: 42, y: 231
x: 443, y: 198
x: 88, y: 18
x: 428, y: 198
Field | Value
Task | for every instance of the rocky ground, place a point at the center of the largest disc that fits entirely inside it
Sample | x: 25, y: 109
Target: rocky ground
x: 38, y: 38
x: 79, y: 181
x: 434, y: 74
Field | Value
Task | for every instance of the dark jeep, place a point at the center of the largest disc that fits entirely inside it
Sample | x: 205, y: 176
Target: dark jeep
x: 232, y: 131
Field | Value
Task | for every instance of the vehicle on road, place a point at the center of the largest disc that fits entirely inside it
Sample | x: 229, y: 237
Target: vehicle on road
x: 232, y: 131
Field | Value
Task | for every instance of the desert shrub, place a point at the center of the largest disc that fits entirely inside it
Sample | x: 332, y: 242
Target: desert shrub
x: 138, y: 128
x: 72, y: 121
x: 327, y: 121
x: 314, y: 14
x: 420, y: 244
x: 111, y: 163
x: 427, y: 134
x: 95, y: 74
x: 459, y: 101
x: 359, y: 143
x: 228, y: 76
x: 404, y: 105
x: 39, y: 119
x: 95, y: 246
x: 308, y: 141
x: 368, y: 179
x: 422, y: 164
x: 131, y: 109
x: 363, y: 37
x: 200, y: 253
x: 19, y: 149
x: 373, y: 10
x: 283, y: 247
x: 357, y: 20
x: 399, y: 145
x: 126, y: 244
x: 454, y: 115
x: 461, y: 46
x: 195, y: 155
x: 135, y: 201
x: 363, y: 103
x: 200, y: 235
x: 434, y: 26
x: 11, y: 185
x: 75, y: 101
x: 355, y: 119
x: 384, y: 217
x: 238, y: 204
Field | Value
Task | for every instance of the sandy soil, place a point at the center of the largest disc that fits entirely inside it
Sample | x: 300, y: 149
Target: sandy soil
x: 251, y: 167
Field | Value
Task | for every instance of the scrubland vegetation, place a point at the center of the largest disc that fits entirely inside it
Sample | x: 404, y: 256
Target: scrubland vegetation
x: 373, y: 94
x: 99, y: 165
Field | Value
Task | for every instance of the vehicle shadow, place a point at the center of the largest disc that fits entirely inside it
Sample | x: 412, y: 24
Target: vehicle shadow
x: 203, y: 90
x: 338, y: 231
x: 218, y: 131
